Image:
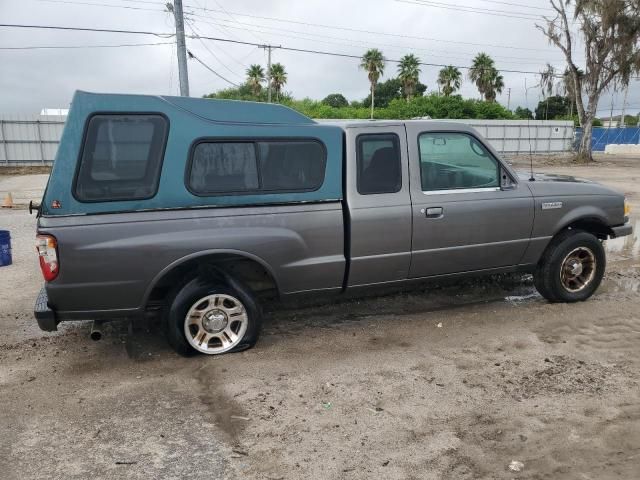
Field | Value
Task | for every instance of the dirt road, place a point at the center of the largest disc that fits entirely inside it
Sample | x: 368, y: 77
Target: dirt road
x: 455, y: 382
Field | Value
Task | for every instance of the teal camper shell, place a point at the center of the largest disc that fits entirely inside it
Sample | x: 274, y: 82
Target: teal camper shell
x: 188, y: 121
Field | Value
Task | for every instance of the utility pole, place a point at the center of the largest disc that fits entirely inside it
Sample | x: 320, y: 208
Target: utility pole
x: 509, y: 98
x: 268, y: 48
x: 269, y: 73
x: 624, y: 104
x: 181, y: 48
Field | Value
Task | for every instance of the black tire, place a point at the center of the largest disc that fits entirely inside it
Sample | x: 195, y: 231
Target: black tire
x: 547, y: 277
x: 183, y: 298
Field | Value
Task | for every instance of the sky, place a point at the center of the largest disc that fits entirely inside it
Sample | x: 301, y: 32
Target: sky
x: 438, y: 32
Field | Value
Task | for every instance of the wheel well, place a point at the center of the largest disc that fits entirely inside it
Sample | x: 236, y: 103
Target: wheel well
x: 246, y: 270
x: 592, y: 225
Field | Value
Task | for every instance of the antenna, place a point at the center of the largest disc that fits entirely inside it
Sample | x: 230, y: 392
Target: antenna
x: 526, y: 99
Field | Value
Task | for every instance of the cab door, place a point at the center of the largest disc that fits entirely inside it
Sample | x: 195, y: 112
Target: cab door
x: 379, y: 204
x: 469, y: 213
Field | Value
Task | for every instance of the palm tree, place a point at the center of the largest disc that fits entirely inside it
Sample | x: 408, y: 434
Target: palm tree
x: 255, y: 77
x: 408, y: 73
x: 567, y: 87
x: 278, y: 78
x: 449, y: 79
x: 494, y: 86
x: 481, y: 73
x: 373, y: 63
x: 547, y: 81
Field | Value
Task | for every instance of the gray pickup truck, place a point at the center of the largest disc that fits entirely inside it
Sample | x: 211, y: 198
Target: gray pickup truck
x: 195, y: 208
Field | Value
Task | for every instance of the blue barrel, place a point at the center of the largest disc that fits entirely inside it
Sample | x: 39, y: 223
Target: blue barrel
x: 5, y: 248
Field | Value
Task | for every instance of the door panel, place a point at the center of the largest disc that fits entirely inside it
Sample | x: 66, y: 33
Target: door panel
x: 380, y: 223
x: 459, y: 230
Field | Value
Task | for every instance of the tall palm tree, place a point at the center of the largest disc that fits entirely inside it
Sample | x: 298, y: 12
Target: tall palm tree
x: 408, y: 73
x: 278, y: 78
x: 547, y: 81
x: 255, y: 77
x: 449, y: 79
x: 373, y: 62
x: 481, y: 73
x: 567, y: 87
x: 494, y: 86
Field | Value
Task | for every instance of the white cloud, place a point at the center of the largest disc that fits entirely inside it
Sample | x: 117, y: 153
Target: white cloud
x: 33, y: 79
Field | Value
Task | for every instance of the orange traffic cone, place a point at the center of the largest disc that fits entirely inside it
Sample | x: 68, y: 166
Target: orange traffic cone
x: 8, y: 201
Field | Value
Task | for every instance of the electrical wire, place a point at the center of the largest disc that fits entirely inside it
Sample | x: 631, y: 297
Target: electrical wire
x: 469, y: 9
x: 43, y: 47
x: 191, y: 55
x: 312, y: 24
x: 364, y: 43
x: 371, y: 32
x: 238, y: 42
x: 195, y: 34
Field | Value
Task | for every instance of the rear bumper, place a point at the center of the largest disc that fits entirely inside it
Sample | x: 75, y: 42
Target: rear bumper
x: 44, y: 315
x: 622, y: 230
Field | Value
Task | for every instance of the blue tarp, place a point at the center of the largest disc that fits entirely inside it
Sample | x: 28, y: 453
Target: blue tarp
x: 605, y: 136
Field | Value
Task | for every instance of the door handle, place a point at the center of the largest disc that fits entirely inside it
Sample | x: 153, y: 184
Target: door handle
x: 433, y: 212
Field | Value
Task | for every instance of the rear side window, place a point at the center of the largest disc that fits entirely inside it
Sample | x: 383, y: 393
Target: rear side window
x: 269, y: 166
x: 378, y: 162
x: 121, y: 157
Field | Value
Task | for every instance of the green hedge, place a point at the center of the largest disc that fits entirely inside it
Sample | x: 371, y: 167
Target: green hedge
x: 432, y: 105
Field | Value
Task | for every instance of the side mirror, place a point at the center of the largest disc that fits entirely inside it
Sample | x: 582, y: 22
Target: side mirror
x: 506, y: 183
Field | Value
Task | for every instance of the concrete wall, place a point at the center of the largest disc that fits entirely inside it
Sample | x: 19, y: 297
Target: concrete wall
x: 622, y: 149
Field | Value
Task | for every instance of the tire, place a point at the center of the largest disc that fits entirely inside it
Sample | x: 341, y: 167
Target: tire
x: 571, y: 267
x: 224, y: 317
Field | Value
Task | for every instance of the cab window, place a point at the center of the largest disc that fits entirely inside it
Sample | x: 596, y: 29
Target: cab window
x: 453, y: 161
x: 378, y: 163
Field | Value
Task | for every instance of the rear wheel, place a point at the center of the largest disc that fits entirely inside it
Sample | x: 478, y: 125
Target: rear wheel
x: 212, y: 318
x: 571, y: 268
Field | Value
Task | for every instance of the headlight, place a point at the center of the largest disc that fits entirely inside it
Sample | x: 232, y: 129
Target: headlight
x: 627, y: 208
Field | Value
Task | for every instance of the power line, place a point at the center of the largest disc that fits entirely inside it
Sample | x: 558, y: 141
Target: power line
x: 519, y: 5
x: 95, y: 4
x: 361, y: 42
x: 63, y: 47
x: 86, y: 29
x: 191, y: 55
x: 195, y: 33
x: 469, y: 9
x: 311, y: 24
x: 239, y: 42
x: 371, y: 32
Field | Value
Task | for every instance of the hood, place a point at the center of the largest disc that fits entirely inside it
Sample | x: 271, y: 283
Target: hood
x: 563, y: 185
x: 549, y: 177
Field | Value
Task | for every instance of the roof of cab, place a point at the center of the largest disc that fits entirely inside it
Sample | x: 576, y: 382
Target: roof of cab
x: 432, y: 124
x: 226, y: 111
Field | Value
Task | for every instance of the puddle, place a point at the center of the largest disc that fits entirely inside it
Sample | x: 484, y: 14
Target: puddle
x: 626, y: 248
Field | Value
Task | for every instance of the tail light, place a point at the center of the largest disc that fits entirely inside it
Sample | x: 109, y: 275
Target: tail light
x: 48, y: 252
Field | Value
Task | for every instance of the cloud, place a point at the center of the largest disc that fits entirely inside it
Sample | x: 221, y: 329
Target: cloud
x: 33, y: 79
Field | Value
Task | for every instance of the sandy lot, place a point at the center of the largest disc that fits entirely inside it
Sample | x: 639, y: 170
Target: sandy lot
x: 451, y: 382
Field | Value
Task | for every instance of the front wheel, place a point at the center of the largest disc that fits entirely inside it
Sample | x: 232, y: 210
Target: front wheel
x: 211, y: 318
x: 571, y: 268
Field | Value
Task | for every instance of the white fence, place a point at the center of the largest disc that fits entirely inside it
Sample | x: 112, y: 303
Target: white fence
x: 33, y: 140
x: 29, y: 140
x: 522, y: 136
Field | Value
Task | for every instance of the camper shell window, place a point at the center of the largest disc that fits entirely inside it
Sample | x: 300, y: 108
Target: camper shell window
x: 223, y: 167
x: 121, y: 157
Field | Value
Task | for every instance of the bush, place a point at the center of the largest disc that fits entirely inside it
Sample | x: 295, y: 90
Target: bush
x: 335, y: 100
x: 433, y: 105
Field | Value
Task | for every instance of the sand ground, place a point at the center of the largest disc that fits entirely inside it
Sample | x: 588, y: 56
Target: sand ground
x: 451, y: 382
